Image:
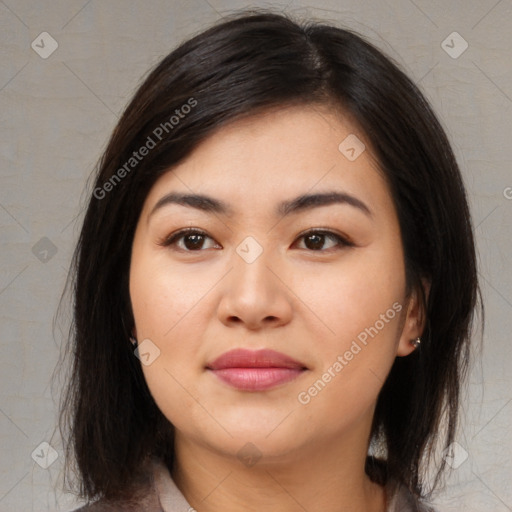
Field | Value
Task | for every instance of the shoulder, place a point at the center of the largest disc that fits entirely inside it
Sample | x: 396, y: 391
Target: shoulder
x: 94, y: 507
x: 148, y: 504
x: 144, y: 496
x: 401, y: 499
x: 102, y: 506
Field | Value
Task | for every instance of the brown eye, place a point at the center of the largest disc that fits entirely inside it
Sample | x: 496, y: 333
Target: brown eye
x: 315, y: 240
x: 188, y: 240
x: 192, y: 242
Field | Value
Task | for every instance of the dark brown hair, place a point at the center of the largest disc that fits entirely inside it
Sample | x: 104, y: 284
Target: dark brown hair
x: 247, y: 64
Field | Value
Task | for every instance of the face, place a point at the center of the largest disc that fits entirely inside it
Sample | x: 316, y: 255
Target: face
x: 320, y: 281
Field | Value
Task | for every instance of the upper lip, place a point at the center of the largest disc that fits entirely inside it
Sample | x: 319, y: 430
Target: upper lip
x: 244, y: 358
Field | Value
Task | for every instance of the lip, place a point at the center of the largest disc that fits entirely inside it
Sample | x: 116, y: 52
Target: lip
x: 255, y: 370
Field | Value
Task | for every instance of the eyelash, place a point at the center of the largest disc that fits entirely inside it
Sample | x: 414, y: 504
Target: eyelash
x: 175, y: 237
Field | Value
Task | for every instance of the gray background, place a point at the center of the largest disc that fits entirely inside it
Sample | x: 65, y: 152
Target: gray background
x: 57, y: 113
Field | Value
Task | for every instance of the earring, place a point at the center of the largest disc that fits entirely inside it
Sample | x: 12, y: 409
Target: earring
x: 416, y: 342
x: 133, y: 341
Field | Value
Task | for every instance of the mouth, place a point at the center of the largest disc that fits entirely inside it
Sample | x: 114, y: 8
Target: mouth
x: 255, y: 370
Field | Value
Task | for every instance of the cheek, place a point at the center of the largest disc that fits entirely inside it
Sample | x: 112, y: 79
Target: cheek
x: 360, y: 306
x: 173, y: 393
x: 164, y: 305
x: 354, y: 362
x: 162, y: 297
x: 160, y: 313
x: 351, y: 297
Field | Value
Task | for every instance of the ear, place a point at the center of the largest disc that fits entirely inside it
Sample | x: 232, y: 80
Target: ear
x: 415, y: 319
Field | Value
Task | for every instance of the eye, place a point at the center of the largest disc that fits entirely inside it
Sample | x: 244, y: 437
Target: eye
x: 314, y: 240
x: 193, y: 240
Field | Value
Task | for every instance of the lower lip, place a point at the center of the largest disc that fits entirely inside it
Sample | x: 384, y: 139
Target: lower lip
x: 257, y: 379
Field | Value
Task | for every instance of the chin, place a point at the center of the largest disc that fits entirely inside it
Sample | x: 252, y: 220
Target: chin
x: 267, y: 434
x: 251, y: 447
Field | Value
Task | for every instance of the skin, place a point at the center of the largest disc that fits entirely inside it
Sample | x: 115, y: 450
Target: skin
x: 306, y: 298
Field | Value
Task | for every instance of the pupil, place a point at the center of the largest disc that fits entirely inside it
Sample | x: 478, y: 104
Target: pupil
x: 316, y: 238
x: 194, y: 244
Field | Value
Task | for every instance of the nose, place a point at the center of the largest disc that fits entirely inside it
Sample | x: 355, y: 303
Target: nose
x: 255, y: 294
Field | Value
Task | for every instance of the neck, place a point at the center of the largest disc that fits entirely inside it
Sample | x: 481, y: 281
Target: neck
x: 326, y: 477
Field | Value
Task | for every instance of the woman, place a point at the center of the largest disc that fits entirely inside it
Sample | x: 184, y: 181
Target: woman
x: 274, y: 284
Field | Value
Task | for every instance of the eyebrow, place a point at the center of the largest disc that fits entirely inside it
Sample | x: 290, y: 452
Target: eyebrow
x: 301, y: 203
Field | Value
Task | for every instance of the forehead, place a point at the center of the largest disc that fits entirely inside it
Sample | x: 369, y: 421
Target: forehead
x: 261, y: 160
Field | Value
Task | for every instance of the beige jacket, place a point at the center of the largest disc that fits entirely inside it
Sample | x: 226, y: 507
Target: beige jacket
x: 166, y: 497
